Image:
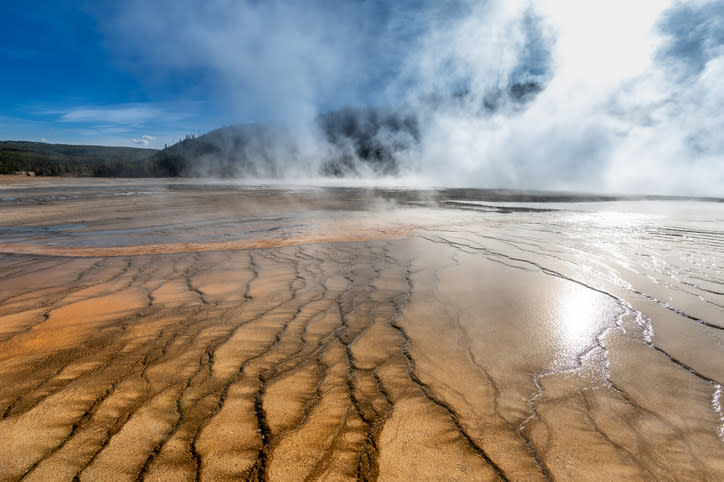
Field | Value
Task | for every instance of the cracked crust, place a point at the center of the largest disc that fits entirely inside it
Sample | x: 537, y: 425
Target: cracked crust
x: 421, y: 350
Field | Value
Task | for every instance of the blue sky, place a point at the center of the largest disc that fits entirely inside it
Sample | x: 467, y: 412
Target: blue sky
x: 63, y: 81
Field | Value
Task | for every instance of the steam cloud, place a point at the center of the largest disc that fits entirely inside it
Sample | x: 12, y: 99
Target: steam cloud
x: 554, y: 94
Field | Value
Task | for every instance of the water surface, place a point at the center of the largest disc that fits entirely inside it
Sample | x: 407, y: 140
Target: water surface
x: 164, y: 331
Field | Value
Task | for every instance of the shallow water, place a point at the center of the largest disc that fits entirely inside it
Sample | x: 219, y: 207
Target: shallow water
x: 183, y: 331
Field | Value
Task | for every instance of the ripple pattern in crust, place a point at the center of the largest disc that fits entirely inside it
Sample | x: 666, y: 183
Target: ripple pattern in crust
x: 438, y: 345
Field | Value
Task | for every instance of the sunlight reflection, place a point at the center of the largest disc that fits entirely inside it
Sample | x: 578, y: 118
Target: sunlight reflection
x: 580, y: 314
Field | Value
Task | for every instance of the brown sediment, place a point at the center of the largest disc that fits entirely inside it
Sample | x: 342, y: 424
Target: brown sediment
x: 342, y: 234
x: 354, y: 344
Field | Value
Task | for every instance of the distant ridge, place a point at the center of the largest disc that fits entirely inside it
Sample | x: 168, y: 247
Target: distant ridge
x: 44, y: 159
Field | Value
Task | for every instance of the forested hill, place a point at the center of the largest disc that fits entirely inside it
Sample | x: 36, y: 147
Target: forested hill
x: 346, y: 141
x: 76, y: 160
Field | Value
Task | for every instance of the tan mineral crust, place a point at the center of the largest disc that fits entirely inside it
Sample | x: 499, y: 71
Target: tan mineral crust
x: 187, y: 330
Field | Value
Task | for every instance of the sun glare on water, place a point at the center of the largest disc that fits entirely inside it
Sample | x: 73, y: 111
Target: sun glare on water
x: 579, y: 316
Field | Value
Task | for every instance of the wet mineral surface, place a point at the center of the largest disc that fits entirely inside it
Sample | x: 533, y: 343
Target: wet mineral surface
x: 197, y: 331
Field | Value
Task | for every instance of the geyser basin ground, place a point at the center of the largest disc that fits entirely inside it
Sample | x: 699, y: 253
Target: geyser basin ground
x: 177, y: 331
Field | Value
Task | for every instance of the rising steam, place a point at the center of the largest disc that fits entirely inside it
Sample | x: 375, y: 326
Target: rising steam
x: 553, y: 94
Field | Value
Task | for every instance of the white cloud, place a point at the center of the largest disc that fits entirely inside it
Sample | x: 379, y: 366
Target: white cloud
x: 122, y: 114
x: 144, y: 140
x: 610, y: 119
